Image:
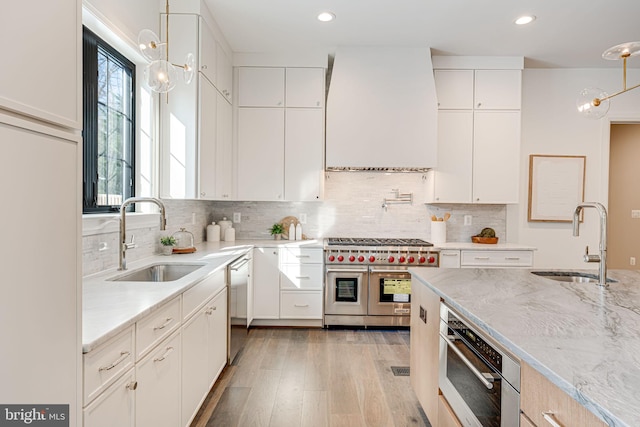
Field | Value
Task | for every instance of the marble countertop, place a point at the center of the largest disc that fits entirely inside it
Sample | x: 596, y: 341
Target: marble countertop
x: 583, y: 338
x: 109, y: 307
x: 483, y: 247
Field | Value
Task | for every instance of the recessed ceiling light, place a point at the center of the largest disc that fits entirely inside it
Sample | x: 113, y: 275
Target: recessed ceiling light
x: 326, y: 16
x: 524, y: 20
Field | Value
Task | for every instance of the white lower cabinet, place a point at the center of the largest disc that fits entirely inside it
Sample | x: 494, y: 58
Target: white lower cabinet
x: 204, y: 353
x: 266, y: 284
x: 498, y: 259
x: 115, y: 406
x: 301, y: 304
x: 450, y: 258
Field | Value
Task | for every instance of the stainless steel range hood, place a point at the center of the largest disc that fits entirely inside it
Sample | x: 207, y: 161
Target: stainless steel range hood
x: 381, y: 110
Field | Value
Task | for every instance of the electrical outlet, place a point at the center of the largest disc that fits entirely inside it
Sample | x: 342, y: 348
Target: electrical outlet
x: 632, y: 260
x: 468, y: 220
x: 193, y: 218
x: 237, y: 217
x: 635, y: 213
x: 303, y: 218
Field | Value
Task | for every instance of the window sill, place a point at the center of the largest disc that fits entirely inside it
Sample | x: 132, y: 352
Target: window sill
x: 110, y: 223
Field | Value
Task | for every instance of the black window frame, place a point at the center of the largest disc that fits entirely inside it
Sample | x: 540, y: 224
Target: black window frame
x: 90, y: 46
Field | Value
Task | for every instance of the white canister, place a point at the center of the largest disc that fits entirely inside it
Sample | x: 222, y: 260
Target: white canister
x: 224, y: 224
x: 230, y: 234
x: 292, y: 231
x: 213, y: 232
x: 438, y: 231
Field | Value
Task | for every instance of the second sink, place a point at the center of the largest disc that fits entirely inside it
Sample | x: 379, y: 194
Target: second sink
x: 570, y: 276
x: 163, y: 272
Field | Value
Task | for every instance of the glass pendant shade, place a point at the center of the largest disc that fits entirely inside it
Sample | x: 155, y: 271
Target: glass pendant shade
x: 150, y: 45
x: 591, y: 103
x: 188, y: 70
x: 622, y: 50
x: 160, y: 76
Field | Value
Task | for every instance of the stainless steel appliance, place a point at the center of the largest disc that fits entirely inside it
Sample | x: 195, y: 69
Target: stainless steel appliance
x: 238, y: 280
x: 367, y: 282
x: 478, y: 378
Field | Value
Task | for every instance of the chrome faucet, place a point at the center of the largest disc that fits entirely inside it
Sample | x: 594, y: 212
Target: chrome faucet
x: 122, y: 253
x: 602, y: 257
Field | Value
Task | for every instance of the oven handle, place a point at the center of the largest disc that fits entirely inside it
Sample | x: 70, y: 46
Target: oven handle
x: 353, y: 270
x: 403, y: 271
x: 488, y: 384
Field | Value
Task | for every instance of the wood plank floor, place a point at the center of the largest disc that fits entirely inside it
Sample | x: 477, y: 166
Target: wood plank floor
x: 315, y: 378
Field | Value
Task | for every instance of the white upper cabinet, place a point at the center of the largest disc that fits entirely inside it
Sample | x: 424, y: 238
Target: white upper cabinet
x: 224, y: 149
x: 497, y: 89
x: 208, y: 53
x: 224, y: 75
x: 303, y: 143
x: 207, y: 156
x: 454, y: 89
x: 261, y: 87
x: 41, y: 70
x: 305, y: 87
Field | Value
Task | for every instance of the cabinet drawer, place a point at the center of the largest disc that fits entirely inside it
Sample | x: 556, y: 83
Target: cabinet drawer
x: 301, y: 305
x: 449, y: 258
x: 195, y: 297
x: 301, y: 276
x: 102, y: 366
x: 154, y: 327
x: 496, y: 258
x: 301, y: 256
x: 115, y: 406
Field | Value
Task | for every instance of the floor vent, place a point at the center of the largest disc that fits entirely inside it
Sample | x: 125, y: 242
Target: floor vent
x: 400, y: 371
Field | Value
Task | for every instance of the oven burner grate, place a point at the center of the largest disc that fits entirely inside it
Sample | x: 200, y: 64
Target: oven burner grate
x: 376, y: 242
x: 400, y: 371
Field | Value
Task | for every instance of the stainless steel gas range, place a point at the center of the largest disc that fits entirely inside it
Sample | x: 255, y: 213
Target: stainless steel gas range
x: 367, y: 282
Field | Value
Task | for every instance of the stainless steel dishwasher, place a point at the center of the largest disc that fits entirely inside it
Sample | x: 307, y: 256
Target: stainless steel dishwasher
x: 238, y: 277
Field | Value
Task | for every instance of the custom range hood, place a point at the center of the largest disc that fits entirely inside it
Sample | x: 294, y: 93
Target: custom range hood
x: 381, y: 110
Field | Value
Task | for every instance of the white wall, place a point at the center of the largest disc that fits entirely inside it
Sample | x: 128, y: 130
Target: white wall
x: 551, y: 125
x: 129, y: 17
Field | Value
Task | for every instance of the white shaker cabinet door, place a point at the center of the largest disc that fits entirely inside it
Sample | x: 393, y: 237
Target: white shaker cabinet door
x: 305, y: 87
x: 498, y: 89
x: 260, y: 154
x: 208, y: 52
x: 454, y: 89
x: 260, y: 87
x: 266, y: 284
x: 224, y: 149
x: 207, y: 156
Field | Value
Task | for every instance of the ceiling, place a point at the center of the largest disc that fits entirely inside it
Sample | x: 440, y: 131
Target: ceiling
x: 566, y: 33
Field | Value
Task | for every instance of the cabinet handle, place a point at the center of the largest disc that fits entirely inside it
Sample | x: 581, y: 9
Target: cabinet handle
x: 301, y: 305
x: 164, y: 356
x: 123, y: 356
x: 482, y: 257
x: 204, y: 67
x: 512, y: 258
x: 448, y: 254
x: 487, y: 383
x: 550, y: 418
x: 211, y: 310
x: 303, y: 256
x: 479, y: 104
x: 202, y: 194
x: 303, y: 277
x: 166, y: 323
x: 132, y: 385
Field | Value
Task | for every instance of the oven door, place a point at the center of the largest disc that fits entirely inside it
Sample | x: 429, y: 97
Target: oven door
x: 389, y: 291
x: 476, y: 392
x: 346, y: 291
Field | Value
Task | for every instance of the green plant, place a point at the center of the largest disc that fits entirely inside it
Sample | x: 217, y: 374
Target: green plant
x: 277, y: 228
x: 168, y: 240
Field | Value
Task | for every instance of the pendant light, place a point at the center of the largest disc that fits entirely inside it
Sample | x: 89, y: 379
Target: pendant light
x: 593, y: 103
x: 160, y: 75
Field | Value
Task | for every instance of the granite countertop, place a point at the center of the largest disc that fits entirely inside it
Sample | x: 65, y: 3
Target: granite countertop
x: 109, y: 307
x: 583, y: 338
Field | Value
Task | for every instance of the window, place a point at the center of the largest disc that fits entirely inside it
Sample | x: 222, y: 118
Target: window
x: 109, y: 126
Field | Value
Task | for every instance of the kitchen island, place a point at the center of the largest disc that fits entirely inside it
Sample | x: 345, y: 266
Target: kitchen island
x: 583, y: 339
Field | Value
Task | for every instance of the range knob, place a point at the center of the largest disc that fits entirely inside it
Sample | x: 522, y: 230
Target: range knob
x: 422, y: 260
x: 352, y: 258
x: 391, y: 258
x: 340, y: 258
x: 411, y: 259
x: 332, y: 258
x: 401, y: 259
x: 372, y: 258
x: 361, y: 258
x: 432, y: 260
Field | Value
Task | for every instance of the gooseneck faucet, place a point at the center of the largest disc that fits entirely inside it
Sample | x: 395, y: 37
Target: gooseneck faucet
x: 602, y: 257
x: 122, y: 260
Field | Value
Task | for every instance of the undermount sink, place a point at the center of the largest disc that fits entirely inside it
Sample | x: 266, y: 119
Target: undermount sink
x: 570, y: 276
x: 162, y: 272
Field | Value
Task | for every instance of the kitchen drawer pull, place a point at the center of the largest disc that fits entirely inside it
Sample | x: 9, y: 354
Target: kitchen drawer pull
x: 550, y: 418
x: 512, y: 258
x: 488, y: 384
x: 236, y: 267
x: 445, y: 254
x: 303, y: 277
x: 335, y: 270
x: 164, y: 356
x: 301, y: 305
x: 211, y: 310
x: 303, y: 256
x: 123, y: 356
x: 482, y: 258
x: 166, y: 323
x: 388, y: 270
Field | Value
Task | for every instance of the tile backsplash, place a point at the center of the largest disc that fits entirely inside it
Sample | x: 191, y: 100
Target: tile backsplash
x: 353, y: 207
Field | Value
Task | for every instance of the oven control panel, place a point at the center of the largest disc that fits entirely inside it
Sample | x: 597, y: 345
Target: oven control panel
x: 427, y: 258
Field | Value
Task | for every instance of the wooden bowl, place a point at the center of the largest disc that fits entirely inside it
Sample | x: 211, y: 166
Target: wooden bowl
x: 486, y: 240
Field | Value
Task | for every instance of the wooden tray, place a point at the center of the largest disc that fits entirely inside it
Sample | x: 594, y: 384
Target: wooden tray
x: 486, y: 240
x: 184, y: 250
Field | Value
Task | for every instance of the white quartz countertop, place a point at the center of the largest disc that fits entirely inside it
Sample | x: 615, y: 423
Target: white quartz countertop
x: 583, y: 338
x: 109, y: 307
x: 483, y: 247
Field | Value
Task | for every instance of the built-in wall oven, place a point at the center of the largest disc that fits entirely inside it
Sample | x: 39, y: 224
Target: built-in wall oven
x: 367, y: 282
x: 479, y: 380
